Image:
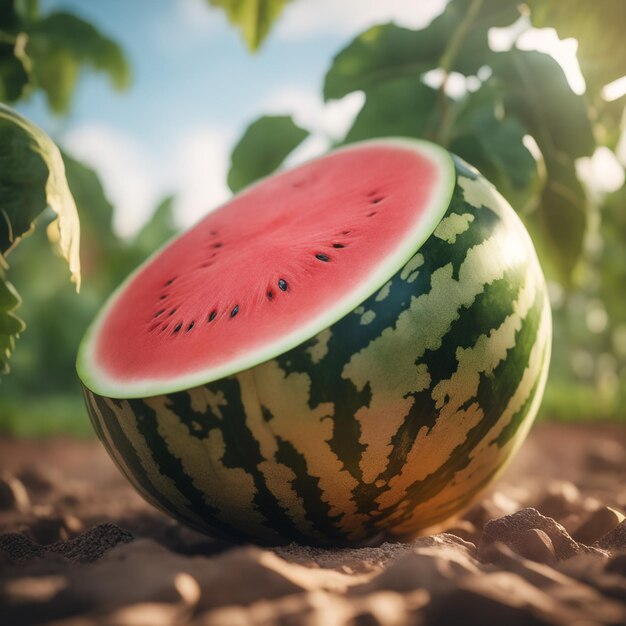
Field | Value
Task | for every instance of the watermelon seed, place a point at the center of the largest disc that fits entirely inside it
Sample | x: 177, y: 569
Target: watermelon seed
x: 339, y: 245
x: 191, y: 325
x: 178, y: 327
x: 234, y: 311
x: 322, y: 257
x: 371, y: 214
x: 159, y: 313
x: 164, y: 327
x: 169, y: 282
x: 212, y: 316
x: 153, y: 327
x: 346, y: 232
x: 282, y: 284
x: 377, y: 200
x: 218, y: 245
x: 206, y: 264
x: 172, y: 312
x: 163, y: 296
x: 270, y: 294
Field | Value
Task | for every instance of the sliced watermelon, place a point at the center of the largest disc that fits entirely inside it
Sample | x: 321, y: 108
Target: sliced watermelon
x: 346, y: 351
x: 268, y: 270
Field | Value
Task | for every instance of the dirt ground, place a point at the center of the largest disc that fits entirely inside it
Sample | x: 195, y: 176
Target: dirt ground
x: 547, y: 545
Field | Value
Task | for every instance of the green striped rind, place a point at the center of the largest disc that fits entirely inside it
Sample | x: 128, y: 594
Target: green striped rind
x: 391, y: 420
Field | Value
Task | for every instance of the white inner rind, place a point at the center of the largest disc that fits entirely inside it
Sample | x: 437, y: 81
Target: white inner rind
x: 99, y: 381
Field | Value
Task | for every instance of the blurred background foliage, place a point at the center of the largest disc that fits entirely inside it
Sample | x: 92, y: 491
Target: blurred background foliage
x: 509, y: 112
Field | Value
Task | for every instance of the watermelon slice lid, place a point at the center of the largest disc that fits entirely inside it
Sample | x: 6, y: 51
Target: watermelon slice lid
x: 269, y: 269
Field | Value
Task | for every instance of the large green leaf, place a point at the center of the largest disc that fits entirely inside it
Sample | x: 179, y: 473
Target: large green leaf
x: 32, y: 177
x: 14, y: 65
x: 599, y: 28
x: 401, y: 107
x: 253, y: 17
x: 59, y: 45
x: 493, y: 143
x: 456, y: 40
x: 538, y: 93
x: 263, y: 147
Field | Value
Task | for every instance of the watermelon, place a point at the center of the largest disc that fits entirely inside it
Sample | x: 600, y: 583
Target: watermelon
x: 346, y: 351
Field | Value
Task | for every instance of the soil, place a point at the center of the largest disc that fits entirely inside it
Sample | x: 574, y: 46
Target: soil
x: 547, y: 545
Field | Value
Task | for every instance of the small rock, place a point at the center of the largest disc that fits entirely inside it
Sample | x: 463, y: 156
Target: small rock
x: 560, y: 500
x: 605, y: 456
x: 48, y: 529
x: 490, y: 508
x: 614, y: 540
x: 512, y: 531
x: 465, y: 530
x: 13, y: 494
x: 35, y: 479
x: 536, y: 545
x: 617, y: 564
x: 598, y: 524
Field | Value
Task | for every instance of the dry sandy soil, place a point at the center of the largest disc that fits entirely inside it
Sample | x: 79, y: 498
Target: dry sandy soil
x: 547, y: 546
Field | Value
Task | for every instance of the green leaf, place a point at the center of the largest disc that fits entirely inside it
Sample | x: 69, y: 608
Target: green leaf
x: 494, y: 144
x: 263, y: 147
x: 560, y: 221
x: 14, y: 66
x: 401, y: 107
x: 455, y: 40
x: 538, y: 93
x: 59, y: 45
x: 253, y: 17
x: 32, y: 176
x: 10, y: 325
x: 599, y: 28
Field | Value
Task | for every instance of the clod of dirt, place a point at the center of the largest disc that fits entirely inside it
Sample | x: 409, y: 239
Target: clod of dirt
x: 598, y: 524
x: 85, y: 548
x: 490, y: 508
x: 614, y: 540
x: 465, y: 530
x: 13, y: 494
x: 512, y: 530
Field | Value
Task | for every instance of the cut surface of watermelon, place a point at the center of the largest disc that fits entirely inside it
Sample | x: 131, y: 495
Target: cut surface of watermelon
x: 275, y: 265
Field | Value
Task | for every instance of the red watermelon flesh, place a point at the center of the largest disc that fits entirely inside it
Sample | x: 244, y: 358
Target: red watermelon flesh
x: 269, y: 269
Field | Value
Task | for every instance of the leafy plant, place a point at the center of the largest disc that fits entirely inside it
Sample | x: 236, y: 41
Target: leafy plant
x: 32, y: 177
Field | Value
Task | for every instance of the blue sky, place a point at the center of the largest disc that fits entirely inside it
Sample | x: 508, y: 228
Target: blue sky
x: 195, y: 88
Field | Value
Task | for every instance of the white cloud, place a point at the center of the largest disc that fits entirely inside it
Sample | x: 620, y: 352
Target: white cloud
x: 311, y: 18
x: 199, y: 170
x: 124, y: 168
x: 194, y: 169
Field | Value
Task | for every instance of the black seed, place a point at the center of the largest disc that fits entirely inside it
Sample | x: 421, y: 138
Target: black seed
x: 159, y: 313
x: 169, y: 282
x: 218, y: 245
x: 172, y: 312
x: 377, y: 200
x: 164, y: 327
x: 346, y: 232
x: 212, y: 316
x: 371, y: 214
x: 322, y: 257
x: 270, y: 294
x: 234, y: 311
x: 191, y: 325
x: 338, y: 245
x: 282, y: 284
x: 163, y: 296
x: 178, y: 327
